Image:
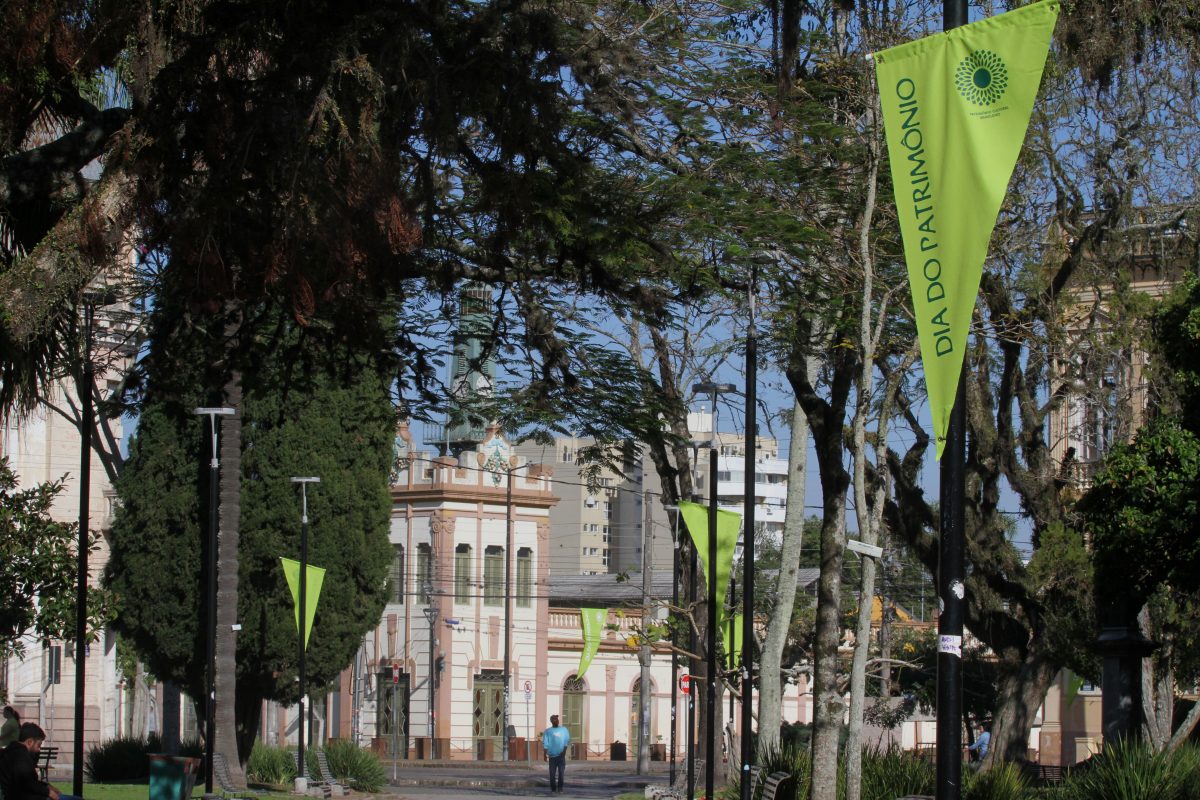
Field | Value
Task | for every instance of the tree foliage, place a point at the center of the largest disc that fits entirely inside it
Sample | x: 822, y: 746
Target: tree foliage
x: 39, y: 568
x: 305, y: 414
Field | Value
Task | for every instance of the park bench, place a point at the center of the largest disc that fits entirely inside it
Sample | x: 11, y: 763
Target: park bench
x: 326, y: 777
x: 1050, y: 773
x: 45, y: 758
x: 224, y: 781
x: 757, y: 776
x: 774, y: 781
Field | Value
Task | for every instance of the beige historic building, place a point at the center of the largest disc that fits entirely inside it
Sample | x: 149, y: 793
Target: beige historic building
x: 45, y: 446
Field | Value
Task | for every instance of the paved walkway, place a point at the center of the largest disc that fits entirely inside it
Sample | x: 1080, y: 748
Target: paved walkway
x: 585, y: 780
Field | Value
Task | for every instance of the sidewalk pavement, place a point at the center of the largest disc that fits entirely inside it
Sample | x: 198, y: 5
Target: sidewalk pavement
x: 584, y: 779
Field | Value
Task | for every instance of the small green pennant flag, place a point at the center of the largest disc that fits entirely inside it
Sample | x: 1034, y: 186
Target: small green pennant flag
x: 695, y: 516
x: 1074, y: 684
x: 312, y: 592
x: 956, y: 106
x: 732, y: 626
x: 592, y: 621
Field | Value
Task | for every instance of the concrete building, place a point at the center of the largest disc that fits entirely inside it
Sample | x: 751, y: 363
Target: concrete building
x: 43, y: 447
x: 599, y: 524
x: 451, y: 525
x: 1106, y: 394
x: 770, y: 473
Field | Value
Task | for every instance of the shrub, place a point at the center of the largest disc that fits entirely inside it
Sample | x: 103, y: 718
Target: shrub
x: 120, y: 760
x: 1128, y: 770
x: 126, y: 758
x: 353, y: 766
x: 274, y: 766
x: 1002, y: 782
x: 892, y: 773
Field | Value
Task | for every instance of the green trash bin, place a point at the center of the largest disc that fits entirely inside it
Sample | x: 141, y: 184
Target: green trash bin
x: 172, y: 777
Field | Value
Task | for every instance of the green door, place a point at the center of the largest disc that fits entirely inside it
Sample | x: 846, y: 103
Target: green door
x: 488, y: 716
x: 572, y: 709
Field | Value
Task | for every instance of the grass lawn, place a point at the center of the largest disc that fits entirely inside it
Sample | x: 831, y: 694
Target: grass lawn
x: 140, y: 791
x: 110, y: 791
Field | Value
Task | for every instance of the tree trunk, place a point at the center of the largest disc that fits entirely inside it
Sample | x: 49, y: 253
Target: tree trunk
x: 249, y: 718
x: 867, y: 511
x: 858, y: 677
x: 1158, y: 689
x: 1017, y: 700
x: 1185, y: 728
x: 828, y: 707
x: 770, y: 692
x: 227, y: 581
x: 826, y: 417
x: 885, y: 646
x: 644, y: 696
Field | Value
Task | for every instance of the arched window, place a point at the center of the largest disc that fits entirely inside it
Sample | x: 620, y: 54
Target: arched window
x: 424, y: 571
x: 462, y: 573
x: 574, y: 694
x: 396, y: 584
x: 525, y: 577
x: 493, y: 575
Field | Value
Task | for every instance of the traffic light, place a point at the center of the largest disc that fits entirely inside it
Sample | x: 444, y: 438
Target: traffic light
x: 441, y: 663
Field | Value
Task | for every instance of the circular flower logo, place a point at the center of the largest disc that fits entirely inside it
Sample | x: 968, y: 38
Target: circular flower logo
x: 981, y: 78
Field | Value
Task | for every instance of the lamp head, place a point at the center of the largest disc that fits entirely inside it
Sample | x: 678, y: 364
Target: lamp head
x: 708, y: 387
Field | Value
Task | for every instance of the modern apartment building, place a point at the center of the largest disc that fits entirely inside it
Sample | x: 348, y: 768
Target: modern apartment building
x: 770, y: 473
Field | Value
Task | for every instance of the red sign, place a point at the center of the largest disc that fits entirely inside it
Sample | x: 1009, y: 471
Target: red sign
x: 685, y: 683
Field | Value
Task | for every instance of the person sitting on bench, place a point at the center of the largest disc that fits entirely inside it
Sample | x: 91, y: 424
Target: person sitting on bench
x: 18, y: 768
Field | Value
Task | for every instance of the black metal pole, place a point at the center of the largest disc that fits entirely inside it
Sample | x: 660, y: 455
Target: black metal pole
x: 433, y: 678
x: 302, y: 619
x: 508, y: 545
x: 693, y: 684
x: 210, y: 633
x: 710, y: 752
x: 951, y: 592
x: 300, y: 722
x: 210, y: 617
x: 731, y: 659
x: 751, y: 461
x: 674, y: 658
x: 81, y: 585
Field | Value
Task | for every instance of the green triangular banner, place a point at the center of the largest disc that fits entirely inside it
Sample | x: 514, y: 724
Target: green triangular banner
x: 312, y: 592
x: 731, y: 638
x: 592, y: 621
x: 695, y: 516
x: 956, y: 107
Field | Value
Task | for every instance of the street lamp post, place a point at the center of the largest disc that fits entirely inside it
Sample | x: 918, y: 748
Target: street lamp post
x: 85, y: 388
x: 508, y: 544
x: 301, y: 780
x: 951, y: 569
x: 674, y: 658
x: 431, y: 614
x: 713, y: 389
x: 751, y: 461
x: 210, y: 628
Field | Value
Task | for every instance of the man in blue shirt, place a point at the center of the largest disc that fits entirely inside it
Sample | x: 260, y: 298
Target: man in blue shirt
x: 980, y: 745
x: 555, y: 741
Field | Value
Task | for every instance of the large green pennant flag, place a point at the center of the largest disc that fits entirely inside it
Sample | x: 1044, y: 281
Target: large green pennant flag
x: 956, y: 106
x: 312, y: 592
x: 695, y: 516
x: 592, y: 621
